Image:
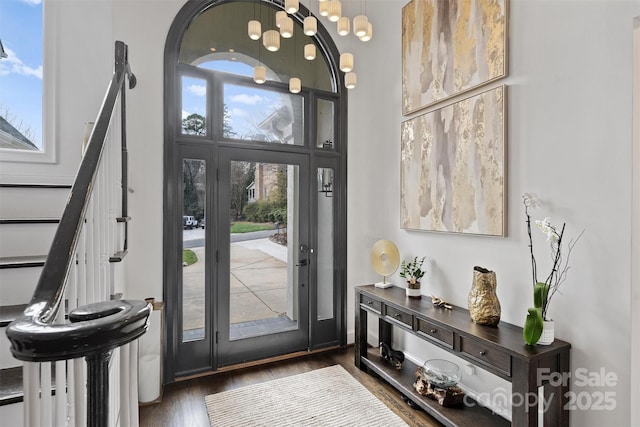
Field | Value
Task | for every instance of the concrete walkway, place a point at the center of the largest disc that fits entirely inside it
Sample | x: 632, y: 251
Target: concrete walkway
x: 258, y: 284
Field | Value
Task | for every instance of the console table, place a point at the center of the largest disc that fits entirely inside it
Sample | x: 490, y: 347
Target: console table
x: 500, y: 350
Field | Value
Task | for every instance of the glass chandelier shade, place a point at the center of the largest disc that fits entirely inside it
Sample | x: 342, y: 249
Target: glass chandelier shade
x: 294, y: 85
x: 291, y: 6
x: 367, y: 36
x: 280, y: 15
x: 344, y: 26
x: 323, y: 8
x: 254, y: 28
x: 334, y: 10
x: 346, y: 62
x: 360, y: 25
x: 271, y: 40
x: 259, y: 74
x: 310, y: 52
x: 310, y: 26
x: 286, y: 27
x: 350, y: 80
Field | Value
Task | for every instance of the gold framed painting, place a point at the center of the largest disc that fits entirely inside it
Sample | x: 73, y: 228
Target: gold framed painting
x: 450, y: 47
x: 453, y: 167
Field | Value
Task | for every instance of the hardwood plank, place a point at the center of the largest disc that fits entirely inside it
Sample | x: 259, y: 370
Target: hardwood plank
x: 183, y: 402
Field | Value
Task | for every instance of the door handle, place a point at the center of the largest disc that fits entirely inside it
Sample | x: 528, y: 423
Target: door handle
x: 302, y: 263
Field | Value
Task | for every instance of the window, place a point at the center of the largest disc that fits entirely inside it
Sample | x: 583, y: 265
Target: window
x: 21, y: 75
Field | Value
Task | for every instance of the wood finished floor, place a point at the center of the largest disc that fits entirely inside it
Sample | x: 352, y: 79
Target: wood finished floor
x: 183, y: 402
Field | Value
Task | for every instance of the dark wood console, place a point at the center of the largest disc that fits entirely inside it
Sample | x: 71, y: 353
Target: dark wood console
x: 500, y: 350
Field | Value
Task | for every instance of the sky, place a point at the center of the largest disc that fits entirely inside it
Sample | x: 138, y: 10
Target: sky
x: 21, y: 71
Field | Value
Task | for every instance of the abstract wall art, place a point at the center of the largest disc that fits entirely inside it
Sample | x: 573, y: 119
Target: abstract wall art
x: 449, y: 47
x: 452, y: 167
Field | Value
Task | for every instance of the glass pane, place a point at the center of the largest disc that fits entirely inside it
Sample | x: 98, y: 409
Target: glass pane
x: 326, y: 136
x: 217, y: 39
x: 21, y: 75
x: 325, y: 243
x: 263, y: 242
x: 262, y: 115
x: 193, y: 249
x: 194, y: 106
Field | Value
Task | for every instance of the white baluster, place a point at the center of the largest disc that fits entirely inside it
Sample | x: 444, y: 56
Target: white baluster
x: 31, y: 385
x: 46, y: 412
x: 133, y: 383
x: 61, y: 380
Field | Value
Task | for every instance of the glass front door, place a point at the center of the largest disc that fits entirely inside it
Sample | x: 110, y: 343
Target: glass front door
x: 262, y: 300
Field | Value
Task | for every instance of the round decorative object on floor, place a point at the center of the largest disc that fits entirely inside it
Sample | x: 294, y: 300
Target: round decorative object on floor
x: 548, y: 333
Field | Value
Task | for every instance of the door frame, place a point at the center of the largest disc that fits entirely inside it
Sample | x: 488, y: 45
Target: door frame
x: 171, y: 190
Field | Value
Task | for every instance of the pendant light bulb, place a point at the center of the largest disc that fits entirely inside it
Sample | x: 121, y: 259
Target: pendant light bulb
x: 254, y: 28
x: 286, y: 27
x: 367, y: 36
x: 334, y: 10
x: 309, y: 52
x: 280, y: 15
x: 310, y: 25
x: 346, y: 62
x: 291, y: 6
x: 323, y: 8
x: 350, y: 80
x: 360, y: 25
x: 344, y: 26
x: 259, y: 74
x: 294, y: 85
x: 271, y: 40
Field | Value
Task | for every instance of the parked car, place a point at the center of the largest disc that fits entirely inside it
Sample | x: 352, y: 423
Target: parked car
x: 189, y: 222
x: 201, y: 223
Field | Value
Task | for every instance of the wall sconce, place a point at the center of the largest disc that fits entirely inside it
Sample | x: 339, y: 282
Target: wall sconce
x: 325, y: 181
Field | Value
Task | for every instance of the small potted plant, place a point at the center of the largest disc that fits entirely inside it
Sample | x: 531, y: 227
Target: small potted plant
x: 412, y: 271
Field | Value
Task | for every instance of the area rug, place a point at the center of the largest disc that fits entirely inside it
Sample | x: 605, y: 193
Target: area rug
x: 324, y: 397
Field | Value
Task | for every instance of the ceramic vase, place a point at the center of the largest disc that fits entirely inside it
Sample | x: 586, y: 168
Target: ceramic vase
x: 548, y: 333
x: 484, y: 306
x: 413, y: 290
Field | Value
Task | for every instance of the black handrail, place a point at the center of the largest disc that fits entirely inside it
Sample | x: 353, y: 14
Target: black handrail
x: 98, y: 328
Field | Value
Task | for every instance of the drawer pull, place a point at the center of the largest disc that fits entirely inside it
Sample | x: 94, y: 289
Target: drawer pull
x: 482, y: 353
x: 397, y: 314
x: 369, y: 302
x: 433, y: 331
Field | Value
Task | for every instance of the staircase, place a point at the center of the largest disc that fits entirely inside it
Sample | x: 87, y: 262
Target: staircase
x: 29, y: 216
x: 74, y: 334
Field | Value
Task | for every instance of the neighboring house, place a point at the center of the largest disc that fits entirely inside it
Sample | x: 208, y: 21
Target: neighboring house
x: 265, y: 181
x: 10, y: 137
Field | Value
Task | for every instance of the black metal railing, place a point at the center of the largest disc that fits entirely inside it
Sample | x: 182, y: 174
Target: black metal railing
x: 94, y: 330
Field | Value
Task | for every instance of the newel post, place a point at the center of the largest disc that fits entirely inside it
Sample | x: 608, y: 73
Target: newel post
x: 98, y: 389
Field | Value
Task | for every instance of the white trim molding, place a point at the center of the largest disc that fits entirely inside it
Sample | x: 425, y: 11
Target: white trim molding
x: 635, y: 231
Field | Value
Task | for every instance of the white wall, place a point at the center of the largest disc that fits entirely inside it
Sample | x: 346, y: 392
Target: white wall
x: 569, y: 140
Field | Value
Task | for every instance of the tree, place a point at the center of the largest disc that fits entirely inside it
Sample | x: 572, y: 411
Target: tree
x: 193, y: 187
x: 242, y: 174
x: 227, y: 129
x: 194, y: 124
x: 278, y: 195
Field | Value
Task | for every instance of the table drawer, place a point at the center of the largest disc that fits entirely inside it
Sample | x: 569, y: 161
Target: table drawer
x: 400, y: 316
x: 435, y: 332
x: 487, y: 354
x: 371, y: 303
